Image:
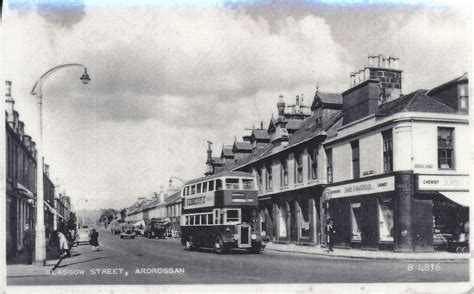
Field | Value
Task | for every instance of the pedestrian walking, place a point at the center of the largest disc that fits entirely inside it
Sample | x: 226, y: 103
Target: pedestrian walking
x: 63, y: 245
x: 330, y: 233
x: 28, y: 244
x: 94, y: 240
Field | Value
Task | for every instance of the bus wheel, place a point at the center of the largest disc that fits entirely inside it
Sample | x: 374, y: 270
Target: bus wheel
x: 189, y: 245
x: 219, y: 246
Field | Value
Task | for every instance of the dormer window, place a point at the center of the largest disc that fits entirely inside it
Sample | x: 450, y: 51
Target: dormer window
x: 463, y: 96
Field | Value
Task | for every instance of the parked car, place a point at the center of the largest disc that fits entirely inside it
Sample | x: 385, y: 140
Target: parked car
x: 127, y: 232
x: 83, y: 236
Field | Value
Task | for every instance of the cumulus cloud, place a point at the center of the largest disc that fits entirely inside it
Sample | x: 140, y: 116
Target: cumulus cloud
x: 166, y: 79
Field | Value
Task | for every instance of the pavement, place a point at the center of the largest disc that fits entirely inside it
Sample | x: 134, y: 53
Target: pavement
x: 366, y: 254
x: 144, y: 261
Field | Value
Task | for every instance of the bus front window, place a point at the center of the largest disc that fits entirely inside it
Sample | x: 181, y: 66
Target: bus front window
x: 232, y: 184
x: 248, y: 184
x: 232, y: 215
x: 250, y: 216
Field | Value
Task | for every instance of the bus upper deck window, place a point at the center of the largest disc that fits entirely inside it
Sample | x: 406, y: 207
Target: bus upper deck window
x: 211, y: 186
x: 248, y: 184
x: 204, y: 187
x: 218, y: 184
x: 193, y: 189
x: 232, y: 184
x: 199, y: 188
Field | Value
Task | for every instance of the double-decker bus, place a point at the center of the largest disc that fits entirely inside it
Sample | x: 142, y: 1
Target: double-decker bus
x: 220, y: 212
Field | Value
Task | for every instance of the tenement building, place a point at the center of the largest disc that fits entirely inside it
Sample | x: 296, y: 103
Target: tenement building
x: 21, y: 201
x: 398, y: 165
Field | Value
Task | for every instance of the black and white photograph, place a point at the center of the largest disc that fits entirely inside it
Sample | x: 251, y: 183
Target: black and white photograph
x: 306, y: 146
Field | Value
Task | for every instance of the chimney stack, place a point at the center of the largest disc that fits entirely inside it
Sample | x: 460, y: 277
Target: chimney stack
x: 281, y: 106
x: 10, y: 103
x: 46, y: 170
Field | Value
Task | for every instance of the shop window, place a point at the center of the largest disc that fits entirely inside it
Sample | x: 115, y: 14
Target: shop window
x: 313, y: 164
x: 269, y: 182
x: 298, y: 167
x: 386, y: 228
x: 355, y: 221
x: 329, y: 165
x: 284, y: 172
x: 304, y: 219
x: 282, y: 221
x: 445, y: 148
x: 263, y: 223
x: 355, y: 159
x: 387, y: 151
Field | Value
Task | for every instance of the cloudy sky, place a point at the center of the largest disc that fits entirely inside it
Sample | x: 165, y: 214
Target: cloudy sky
x: 166, y: 78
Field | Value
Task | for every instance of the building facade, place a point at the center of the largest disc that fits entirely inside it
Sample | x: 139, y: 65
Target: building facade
x: 397, y: 165
x: 21, y: 182
x: 390, y: 170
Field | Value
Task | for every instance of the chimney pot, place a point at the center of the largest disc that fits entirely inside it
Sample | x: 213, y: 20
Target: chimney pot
x: 353, y: 79
x: 8, y: 88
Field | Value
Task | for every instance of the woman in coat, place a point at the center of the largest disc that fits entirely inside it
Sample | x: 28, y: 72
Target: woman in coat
x: 63, y: 245
x: 94, y: 240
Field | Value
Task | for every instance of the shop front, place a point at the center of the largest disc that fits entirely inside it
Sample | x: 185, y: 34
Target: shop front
x: 363, y: 213
x: 291, y: 216
x: 450, y: 199
x: 400, y: 212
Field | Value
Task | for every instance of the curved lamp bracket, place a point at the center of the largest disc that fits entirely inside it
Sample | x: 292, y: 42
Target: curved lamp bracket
x: 37, y: 89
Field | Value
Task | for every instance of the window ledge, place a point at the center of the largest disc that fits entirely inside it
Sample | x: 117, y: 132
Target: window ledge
x: 283, y: 188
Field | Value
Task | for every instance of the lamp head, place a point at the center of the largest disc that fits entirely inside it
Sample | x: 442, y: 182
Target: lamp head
x: 85, y: 77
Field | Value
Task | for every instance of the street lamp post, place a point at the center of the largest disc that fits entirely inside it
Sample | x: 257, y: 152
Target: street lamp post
x: 40, y: 248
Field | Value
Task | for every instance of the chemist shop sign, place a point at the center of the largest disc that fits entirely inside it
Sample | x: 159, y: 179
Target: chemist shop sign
x: 361, y: 188
x: 443, y: 183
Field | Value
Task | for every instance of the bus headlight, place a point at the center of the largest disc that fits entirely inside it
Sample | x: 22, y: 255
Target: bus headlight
x: 236, y: 236
x: 253, y: 236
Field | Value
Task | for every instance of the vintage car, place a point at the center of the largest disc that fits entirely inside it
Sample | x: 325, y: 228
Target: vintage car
x: 82, y: 236
x: 127, y: 232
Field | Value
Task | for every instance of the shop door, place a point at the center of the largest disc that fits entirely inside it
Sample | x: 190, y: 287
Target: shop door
x: 422, y: 225
x: 369, y: 230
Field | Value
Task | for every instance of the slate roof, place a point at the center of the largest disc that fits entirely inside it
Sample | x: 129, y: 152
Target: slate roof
x: 416, y: 101
x: 227, y: 151
x: 464, y: 77
x: 327, y: 98
x: 261, y: 134
x: 173, y: 197
x: 243, y: 145
x: 216, y: 160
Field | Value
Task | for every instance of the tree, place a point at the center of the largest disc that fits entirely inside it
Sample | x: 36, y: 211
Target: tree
x: 107, y: 215
x: 123, y: 214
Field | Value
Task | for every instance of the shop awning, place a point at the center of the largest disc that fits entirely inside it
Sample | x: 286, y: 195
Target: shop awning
x: 461, y: 198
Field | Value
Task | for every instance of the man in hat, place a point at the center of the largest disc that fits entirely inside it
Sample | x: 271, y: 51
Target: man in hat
x: 28, y: 243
